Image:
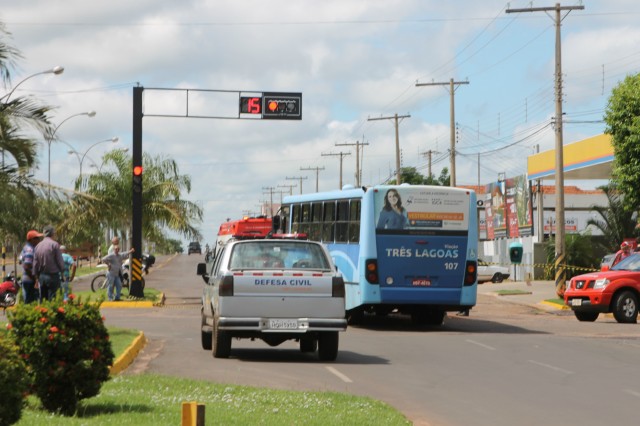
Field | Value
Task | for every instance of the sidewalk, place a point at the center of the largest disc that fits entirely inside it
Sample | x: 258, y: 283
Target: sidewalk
x: 536, y: 293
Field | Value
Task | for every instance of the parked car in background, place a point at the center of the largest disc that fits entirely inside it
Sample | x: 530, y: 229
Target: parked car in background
x: 194, y: 247
x: 491, y: 272
x: 614, y: 291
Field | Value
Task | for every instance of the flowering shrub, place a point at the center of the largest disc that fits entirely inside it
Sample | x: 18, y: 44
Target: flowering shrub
x: 13, y: 382
x: 66, y: 347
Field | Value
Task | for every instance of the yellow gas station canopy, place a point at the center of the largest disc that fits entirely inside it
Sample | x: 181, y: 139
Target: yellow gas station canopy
x: 590, y: 158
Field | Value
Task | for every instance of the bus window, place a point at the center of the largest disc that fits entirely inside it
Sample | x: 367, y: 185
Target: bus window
x: 342, y: 223
x: 306, y: 213
x: 328, y: 220
x: 354, y: 221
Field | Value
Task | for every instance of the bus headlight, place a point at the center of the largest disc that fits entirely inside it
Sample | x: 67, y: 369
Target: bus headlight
x: 389, y: 280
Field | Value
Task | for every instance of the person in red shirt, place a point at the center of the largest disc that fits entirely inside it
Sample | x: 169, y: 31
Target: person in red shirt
x: 625, y: 251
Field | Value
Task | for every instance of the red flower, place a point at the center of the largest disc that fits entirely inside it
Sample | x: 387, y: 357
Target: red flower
x: 61, y: 310
x: 43, y: 320
x: 96, y: 354
x: 9, y: 326
x: 54, y: 329
x: 72, y: 296
x: 51, y: 337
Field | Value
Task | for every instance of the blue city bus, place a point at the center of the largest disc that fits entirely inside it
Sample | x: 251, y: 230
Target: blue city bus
x: 405, y: 248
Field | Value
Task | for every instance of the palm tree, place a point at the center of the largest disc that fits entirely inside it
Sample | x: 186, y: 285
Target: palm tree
x: 19, y: 152
x: 163, y: 206
x: 618, y: 220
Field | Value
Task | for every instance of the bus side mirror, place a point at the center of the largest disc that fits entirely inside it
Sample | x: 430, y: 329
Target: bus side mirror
x: 515, y: 253
x: 275, y: 224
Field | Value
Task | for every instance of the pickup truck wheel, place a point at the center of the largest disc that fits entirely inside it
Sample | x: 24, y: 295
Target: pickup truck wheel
x: 309, y: 344
x: 497, y: 278
x: 328, y: 345
x: 220, y: 342
x: 586, y: 316
x: 625, y: 308
x: 205, y: 336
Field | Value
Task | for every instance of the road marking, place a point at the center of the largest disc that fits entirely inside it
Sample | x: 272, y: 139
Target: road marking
x: 340, y: 375
x: 481, y: 344
x: 542, y: 364
x: 632, y: 392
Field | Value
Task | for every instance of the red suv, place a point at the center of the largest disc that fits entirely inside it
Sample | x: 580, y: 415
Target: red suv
x: 616, y: 291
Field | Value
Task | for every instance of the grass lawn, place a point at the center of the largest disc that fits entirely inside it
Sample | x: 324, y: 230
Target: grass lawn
x: 148, y: 399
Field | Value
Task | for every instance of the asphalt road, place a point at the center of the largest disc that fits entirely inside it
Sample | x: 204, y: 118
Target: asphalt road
x: 506, y: 364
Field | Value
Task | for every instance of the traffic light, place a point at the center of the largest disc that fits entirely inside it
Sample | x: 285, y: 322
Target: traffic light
x: 137, y: 179
x: 515, y: 252
x: 287, y: 106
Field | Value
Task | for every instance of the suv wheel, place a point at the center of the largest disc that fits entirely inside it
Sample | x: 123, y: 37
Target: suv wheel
x: 586, y: 316
x: 205, y: 336
x: 625, y: 307
x: 220, y: 342
x: 328, y: 345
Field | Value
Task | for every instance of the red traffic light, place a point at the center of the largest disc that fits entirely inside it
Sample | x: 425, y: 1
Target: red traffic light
x: 137, y: 170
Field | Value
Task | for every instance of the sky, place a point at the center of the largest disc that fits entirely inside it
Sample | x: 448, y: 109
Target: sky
x: 355, y: 62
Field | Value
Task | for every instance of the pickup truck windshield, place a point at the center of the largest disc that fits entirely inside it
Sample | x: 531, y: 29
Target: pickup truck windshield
x: 278, y: 255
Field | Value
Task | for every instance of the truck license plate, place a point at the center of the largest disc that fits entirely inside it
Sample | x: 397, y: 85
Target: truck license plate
x: 576, y: 302
x: 283, y: 324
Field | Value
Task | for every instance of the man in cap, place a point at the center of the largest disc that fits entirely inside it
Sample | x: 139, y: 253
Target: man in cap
x: 69, y: 271
x: 48, y: 264
x: 29, y: 281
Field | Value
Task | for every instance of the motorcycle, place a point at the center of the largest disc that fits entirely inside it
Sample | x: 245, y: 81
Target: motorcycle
x: 9, y: 291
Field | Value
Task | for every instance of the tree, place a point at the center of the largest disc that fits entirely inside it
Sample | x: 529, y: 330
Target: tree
x: 617, y: 221
x: 163, y: 187
x: 622, y: 117
x: 19, y: 152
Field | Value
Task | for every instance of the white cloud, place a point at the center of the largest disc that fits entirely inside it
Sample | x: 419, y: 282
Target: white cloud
x: 350, y: 59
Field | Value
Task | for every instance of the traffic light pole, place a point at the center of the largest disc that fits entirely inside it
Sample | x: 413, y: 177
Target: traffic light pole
x: 135, y: 288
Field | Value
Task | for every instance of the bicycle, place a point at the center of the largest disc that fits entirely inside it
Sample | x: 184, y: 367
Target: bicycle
x: 100, y: 282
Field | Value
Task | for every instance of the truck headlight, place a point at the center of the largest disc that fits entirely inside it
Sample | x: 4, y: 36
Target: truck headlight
x: 601, y: 283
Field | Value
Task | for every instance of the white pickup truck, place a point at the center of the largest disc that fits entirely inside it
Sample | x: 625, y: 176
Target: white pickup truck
x: 274, y: 290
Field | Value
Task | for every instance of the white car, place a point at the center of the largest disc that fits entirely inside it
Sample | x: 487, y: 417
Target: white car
x: 491, y: 272
x: 274, y: 290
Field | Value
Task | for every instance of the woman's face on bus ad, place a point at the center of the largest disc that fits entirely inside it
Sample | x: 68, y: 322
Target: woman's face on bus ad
x: 392, y: 198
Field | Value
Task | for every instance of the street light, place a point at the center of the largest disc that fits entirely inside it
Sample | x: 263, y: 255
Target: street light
x: 57, y: 70
x: 50, y: 138
x: 81, y: 158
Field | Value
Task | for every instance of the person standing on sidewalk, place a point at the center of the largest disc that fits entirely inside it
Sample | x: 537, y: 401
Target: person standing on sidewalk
x: 29, y: 280
x: 114, y: 261
x: 69, y: 272
x: 48, y: 264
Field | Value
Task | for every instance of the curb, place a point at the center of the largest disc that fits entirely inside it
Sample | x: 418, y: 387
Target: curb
x: 134, y: 304
x: 555, y: 305
x: 124, y: 360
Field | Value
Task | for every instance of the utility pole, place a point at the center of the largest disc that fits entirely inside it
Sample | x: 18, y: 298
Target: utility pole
x: 317, y: 169
x: 270, y: 190
x: 452, y: 90
x: 429, y: 155
x: 288, y: 186
x: 357, y: 144
x: 301, y: 178
x: 395, y: 117
x: 559, y: 146
x: 342, y: 155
